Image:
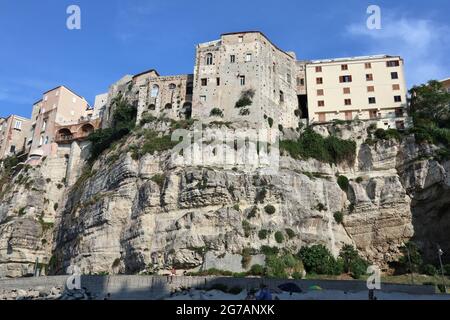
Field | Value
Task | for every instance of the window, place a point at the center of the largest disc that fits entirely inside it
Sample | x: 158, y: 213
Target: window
x: 321, y: 103
x: 204, y: 82
x: 347, y: 91
x: 372, y: 100
x: 392, y: 63
x: 203, y: 98
x: 155, y: 91
x: 322, y: 117
x: 368, y: 65
x: 369, y: 77
x: 41, y: 141
x: 241, y: 39
x: 373, y: 114
x: 348, y: 102
x: 395, y: 87
x: 319, y: 80
x: 318, y: 69
x: 370, y: 89
x: 300, y: 81
x: 242, y: 80
x: 398, y: 98
x: 248, y: 57
x: 343, y: 79
x: 46, y: 140
x: 320, y: 92
x: 152, y: 107
x: 18, y: 125
x: 168, y: 106
x: 12, y: 149
x: 344, y: 67
x: 218, y: 81
x: 44, y: 125
x: 399, y: 112
x: 172, y: 86
x: 189, y: 88
x: 209, y: 59
x: 288, y: 78
x: 232, y: 58
x: 281, y: 96
x: 394, y: 75
x: 348, y: 115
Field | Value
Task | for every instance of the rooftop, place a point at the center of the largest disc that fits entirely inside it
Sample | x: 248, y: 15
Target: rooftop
x: 380, y: 56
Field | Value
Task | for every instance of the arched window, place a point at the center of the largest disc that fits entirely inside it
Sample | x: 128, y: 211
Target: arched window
x: 209, y: 59
x: 172, y: 86
x: 168, y: 106
x: 155, y: 91
x: 152, y: 107
x: 281, y: 96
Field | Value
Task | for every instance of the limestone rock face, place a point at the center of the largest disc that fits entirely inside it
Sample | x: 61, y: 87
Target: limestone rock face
x: 147, y: 215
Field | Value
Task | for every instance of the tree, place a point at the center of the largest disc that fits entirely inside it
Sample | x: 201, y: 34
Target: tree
x: 410, y: 249
x: 318, y: 259
x: 431, y: 101
x: 353, y: 263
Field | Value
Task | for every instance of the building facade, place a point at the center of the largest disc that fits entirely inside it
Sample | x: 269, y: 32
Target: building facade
x: 245, y: 77
x: 365, y: 88
x: 59, y: 106
x: 166, y: 96
x: 14, y: 131
x: 446, y: 84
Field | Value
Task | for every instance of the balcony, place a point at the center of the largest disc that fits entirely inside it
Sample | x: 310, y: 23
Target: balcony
x: 67, y: 138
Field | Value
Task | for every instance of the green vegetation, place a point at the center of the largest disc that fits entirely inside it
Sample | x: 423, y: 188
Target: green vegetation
x: 247, y: 257
x: 269, y: 209
x: 431, y: 115
x: 319, y: 260
x: 266, y: 250
x: 216, y: 112
x: 247, y: 228
x: 246, y: 99
x: 55, y: 206
x: 359, y: 179
x: 261, y: 195
x: 283, y: 266
x: 290, y: 233
x: 262, y: 234
x: 124, y: 119
x: 429, y: 269
x: 279, y: 237
x: 153, y: 142
x: 244, y: 112
x: 256, y: 270
x: 343, y: 183
x: 159, y: 179
x: 338, y: 217
x: 390, y: 134
x: 353, y: 263
x: 252, y: 213
x: 22, y: 211
x: 313, y: 145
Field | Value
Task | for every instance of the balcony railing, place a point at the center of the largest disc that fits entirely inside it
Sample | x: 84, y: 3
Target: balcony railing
x: 61, y: 138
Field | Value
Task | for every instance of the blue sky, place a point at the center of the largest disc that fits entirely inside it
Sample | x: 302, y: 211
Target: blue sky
x: 120, y: 37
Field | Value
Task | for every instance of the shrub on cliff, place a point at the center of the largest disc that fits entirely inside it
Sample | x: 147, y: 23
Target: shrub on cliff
x: 319, y: 260
x: 313, y: 145
x: 352, y: 262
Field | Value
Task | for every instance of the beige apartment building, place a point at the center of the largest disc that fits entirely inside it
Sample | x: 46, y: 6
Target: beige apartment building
x: 59, y: 106
x: 365, y: 88
x: 245, y: 65
x: 13, y: 135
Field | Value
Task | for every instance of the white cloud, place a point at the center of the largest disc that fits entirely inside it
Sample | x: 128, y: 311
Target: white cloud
x: 422, y: 43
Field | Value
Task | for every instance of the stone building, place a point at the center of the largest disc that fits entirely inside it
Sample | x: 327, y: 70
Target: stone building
x: 59, y: 106
x: 121, y: 87
x: 168, y: 96
x: 245, y: 77
x: 13, y: 135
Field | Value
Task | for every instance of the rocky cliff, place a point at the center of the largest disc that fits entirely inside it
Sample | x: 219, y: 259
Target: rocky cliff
x: 127, y: 214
